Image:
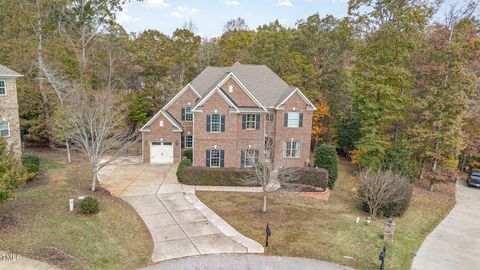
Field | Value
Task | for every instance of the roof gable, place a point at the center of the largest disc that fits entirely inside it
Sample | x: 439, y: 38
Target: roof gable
x: 6, y: 72
x: 296, y: 90
x: 179, y: 94
x: 202, y: 101
x: 177, y: 125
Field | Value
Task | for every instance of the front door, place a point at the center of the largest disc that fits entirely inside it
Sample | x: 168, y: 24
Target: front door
x: 161, y: 153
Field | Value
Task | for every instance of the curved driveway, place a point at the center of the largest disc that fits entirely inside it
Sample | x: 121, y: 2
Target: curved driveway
x: 245, y: 262
x: 180, y: 224
x: 455, y: 242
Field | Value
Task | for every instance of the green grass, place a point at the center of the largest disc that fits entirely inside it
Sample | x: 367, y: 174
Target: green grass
x: 306, y: 227
x: 37, y: 223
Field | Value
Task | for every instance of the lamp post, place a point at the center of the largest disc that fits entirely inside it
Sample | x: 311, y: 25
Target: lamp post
x: 268, y: 232
x: 382, y: 256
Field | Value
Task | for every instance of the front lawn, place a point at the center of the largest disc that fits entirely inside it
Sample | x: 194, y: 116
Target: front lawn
x: 306, y: 227
x: 37, y: 223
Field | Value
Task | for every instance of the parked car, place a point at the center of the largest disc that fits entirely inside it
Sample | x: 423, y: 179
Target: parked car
x: 474, y: 178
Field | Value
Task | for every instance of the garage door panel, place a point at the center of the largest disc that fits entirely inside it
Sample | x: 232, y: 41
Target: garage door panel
x: 161, y: 153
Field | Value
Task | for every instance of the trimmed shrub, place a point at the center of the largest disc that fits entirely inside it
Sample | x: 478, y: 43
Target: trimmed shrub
x: 89, y: 205
x: 31, y: 163
x: 188, y: 154
x: 203, y: 176
x: 384, y: 193
x: 183, y: 164
x: 326, y: 157
x: 303, y: 175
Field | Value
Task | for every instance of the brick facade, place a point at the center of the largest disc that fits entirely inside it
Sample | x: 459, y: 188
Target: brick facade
x: 159, y: 134
x: 9, y: 113
x: 234, y: 138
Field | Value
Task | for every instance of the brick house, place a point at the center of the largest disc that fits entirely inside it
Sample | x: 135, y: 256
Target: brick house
x: 9, y: 120
x: 230, y: 116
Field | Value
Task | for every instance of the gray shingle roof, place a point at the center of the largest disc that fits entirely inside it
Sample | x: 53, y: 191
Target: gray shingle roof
x: 6, y: 72
x: 261, y: 81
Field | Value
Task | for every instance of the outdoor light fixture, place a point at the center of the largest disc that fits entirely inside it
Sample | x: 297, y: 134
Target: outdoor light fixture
x: 268, y: 232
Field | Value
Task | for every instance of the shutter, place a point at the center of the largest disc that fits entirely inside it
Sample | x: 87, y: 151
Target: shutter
x: 208, y: 122
x: 222, y: 118
x: 256, y: 156
x: 300, y: 120
x: 183, y: 114
x: 257, y: 121
x: 222, y: 160
x: 285, y: 119
x: 244, y: 121
x: 242, y: 158
x: 183, y: 141
x: 207, y: 159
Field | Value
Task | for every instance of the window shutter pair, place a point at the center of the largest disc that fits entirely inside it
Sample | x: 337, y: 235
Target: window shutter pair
x: 222, y: 119
x: 207, y: 159
x: 209, y: 119
x: 183, y: 114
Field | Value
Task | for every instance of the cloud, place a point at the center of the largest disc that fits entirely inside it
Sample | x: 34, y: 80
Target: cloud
x: 181, y: 12
x: 232, y: 3
x: 285, y: 3
x: 157, y: 3
x: 124, y: 16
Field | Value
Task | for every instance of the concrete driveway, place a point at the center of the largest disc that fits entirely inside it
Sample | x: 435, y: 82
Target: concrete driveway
x: 245, y: 262
x: 455, y: 242
x: 180, y: 224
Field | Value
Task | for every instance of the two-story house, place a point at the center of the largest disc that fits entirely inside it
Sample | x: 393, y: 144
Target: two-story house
x: 230, y: 116
x: 9, y: 121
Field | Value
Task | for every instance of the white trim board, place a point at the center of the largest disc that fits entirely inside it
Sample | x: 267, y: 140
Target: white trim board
x: 144, y: 128
x: 216, y: 89
x: 301, y: 95
x: 188, y: 86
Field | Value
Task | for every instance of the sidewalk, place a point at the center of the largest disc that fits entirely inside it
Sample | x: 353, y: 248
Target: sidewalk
x: 10, y: 261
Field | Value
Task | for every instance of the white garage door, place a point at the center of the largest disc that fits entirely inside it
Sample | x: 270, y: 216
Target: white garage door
x: 161, y: 153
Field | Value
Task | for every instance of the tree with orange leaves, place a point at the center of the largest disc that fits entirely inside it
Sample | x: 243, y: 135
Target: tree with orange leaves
x: 322, y: 130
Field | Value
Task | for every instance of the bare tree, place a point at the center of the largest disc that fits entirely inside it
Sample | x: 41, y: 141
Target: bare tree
x: 259, y: 169
x: 380, y: 189
x: 98, y: 127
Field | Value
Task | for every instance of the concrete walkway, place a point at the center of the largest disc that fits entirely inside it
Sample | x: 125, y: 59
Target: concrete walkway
x: 10, y: 261
x: 245, y: 262
x: 455, y: 242
x: 180, y: 224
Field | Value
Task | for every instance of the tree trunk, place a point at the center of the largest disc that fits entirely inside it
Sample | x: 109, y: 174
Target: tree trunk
x: 94, y: 179
x: 40, y: 76
x: 432, y: 184
x: 264, y: 202
x: 68, y: 151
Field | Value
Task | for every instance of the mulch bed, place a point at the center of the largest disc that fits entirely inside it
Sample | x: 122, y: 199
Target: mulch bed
x: 306, y: 191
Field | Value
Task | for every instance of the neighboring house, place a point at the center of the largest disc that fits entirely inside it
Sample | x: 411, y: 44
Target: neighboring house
x: 9, y: 121
x: 227, y: 116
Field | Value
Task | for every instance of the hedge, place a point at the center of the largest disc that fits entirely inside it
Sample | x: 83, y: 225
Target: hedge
x: 326, y: 157
x: 31, y: 165
x: 183, y: 164
x: 304, y: 175
x: 188, y: 154
x: 203, y: 176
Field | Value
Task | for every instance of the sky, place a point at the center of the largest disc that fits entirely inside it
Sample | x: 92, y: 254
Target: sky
x: 209, y: 16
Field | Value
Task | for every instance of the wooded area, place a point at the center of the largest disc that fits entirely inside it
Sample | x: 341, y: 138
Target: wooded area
x: 393, y: 89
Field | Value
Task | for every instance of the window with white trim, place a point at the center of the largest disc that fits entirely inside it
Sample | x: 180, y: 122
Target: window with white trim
x: 215, y: 158
x: 188, y: 114
x: 249, y: 157
x: 4, y: 129
x: 250, y: 121
x: 291, y: 149
x: 188, y: 141
x: 215, y: 123
x: 3, y: 88
x: 293, y: 119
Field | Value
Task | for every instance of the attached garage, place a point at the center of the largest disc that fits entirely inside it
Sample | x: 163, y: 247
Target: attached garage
x: 161, y: 153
